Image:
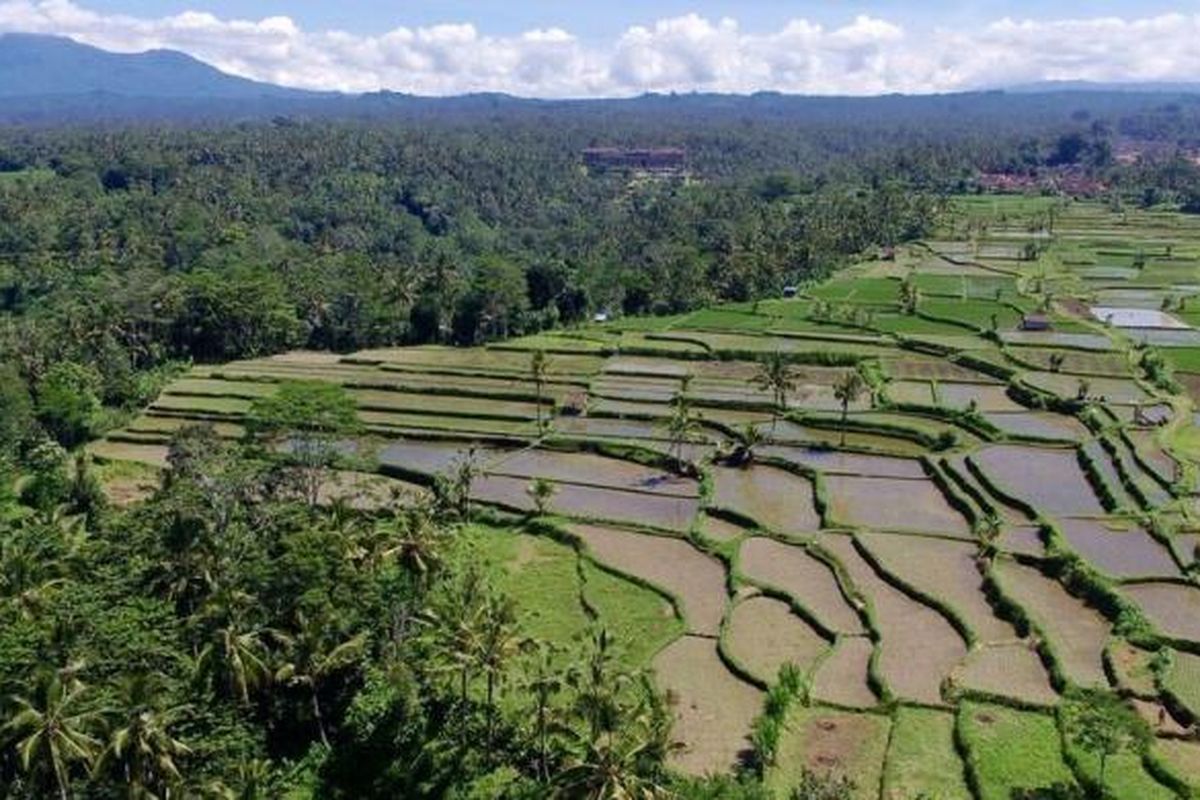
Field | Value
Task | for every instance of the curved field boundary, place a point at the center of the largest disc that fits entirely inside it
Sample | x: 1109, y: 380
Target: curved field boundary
x: 697, y: 580
x: 691, y: 670
x: 946, y: 581
x: 918, y: 648
x: 1073, y: 634
x: 760, y: 634
x: 809, y: 580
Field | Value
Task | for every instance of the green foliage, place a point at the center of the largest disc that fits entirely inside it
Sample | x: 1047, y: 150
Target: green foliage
x: 67, y: 402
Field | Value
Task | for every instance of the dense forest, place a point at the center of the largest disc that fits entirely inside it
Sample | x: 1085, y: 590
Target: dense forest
x: 230, y: 638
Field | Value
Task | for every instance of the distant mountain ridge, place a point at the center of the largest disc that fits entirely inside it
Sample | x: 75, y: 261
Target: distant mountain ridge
x: 33, y: 65
x: 51, y: 80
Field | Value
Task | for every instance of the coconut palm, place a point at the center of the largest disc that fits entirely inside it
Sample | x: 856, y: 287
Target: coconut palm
x: 544, y: 682
x: 51, y: 731
x: 681, y: 427
x: 750, y: 438
x: 233, y: 658
x: 498, y: 641
x: 141, y: 749
x: 411, y: 537
x: 848, y: 389
x: 28, y: 577
x: 314, y: 655
x: 777, y: 376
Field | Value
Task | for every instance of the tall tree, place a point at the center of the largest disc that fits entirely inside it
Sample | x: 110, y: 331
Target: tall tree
x: 142, y: 751
x: 309, y: 421
x: 315, y: 653
x: 777, y: 376
x: 52, y: 731
x: 848, y: 389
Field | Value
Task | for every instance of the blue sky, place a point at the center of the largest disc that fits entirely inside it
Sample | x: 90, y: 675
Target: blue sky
x: 592, y: 48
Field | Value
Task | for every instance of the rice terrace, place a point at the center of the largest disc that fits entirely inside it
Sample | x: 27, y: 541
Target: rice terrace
x: 969, y: 489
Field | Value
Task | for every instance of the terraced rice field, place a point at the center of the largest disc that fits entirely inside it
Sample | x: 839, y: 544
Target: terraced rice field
x: 1172, y: 608
x: 713, y: 710
x: 697, y: 581
x: 1050, y: 480
x: 919, y: 647
x: 1123, y: 551
x: 1013, y: 670
x: 891, y: 504
x: 1076, y: 632
x: 809, y: 582
x: 1010, y: 750
x: 677, y: 562
x: 828, y: 741
x: 774, y: 498
x: 764, y: 635
x: 921, y: 758
x: 944, y: 570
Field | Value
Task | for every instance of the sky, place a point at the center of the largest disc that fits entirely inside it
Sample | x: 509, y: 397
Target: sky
x: 606, y: 48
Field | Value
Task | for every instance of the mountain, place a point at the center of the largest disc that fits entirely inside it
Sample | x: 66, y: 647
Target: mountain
x: 54, y: 66
x: 1157, y: 87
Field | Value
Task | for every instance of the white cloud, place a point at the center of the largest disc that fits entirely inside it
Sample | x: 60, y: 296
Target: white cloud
x: 691, y: 52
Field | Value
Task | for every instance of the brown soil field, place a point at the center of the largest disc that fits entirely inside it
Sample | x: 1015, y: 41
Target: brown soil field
x: 919, y: 647
x: 807, y: 580
x: 1120, y: 549
x: 591, y: 469
x: 1173, y: 609
x: 987, y: 398
x: 432, y: 457
x: 918, y: 367
x: 713, y: 710
x: 697, y: 580
x: 842, y: 677
x: 944, y: 570
x: 586, y: 502
x: 774, y: 498
x: 891, y: 504
x: 1048, y: 479
x: 1022, y: 540
x: 1007, y: 670
x: 1039, y: 425
x: 1077, y: 633
x: 833, y: 461
x: 154, y: 455
x: 764, y: 634
x: 911, y: 392
x: 832, y: 742
x: 719, y: 530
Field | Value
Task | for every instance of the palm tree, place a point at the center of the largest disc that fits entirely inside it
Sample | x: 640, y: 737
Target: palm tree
x: 142, y: 751
x: 28, y: 577
x: 621, y: 733
x: 233, y: 659
x: 681, y: 427
x: 777, y: 376
x: 541, y: 492
x: 313, y: 657
x: 750, y: 438
x: 539, y: 368
x: 847, y: 390
x: 254, y: 782
x: 544, y: 682
x: 412, y: 537
x: 51, y: 731
x: 498, y: 640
